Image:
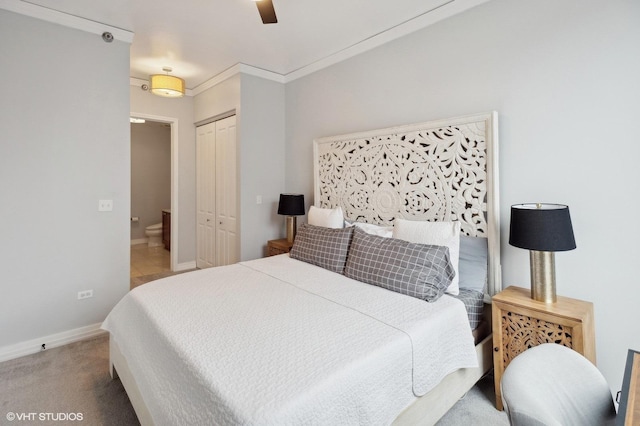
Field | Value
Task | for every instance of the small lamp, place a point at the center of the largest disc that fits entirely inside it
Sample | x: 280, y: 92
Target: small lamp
x: 291, y: 205
x: 543, y: 229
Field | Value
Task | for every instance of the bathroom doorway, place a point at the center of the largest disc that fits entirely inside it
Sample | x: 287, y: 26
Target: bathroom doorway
x: 154, y: 209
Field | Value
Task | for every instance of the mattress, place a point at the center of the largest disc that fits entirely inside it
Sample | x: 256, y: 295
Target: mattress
x: 279, y: 341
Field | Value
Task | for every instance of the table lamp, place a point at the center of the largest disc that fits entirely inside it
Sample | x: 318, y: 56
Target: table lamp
x: 291, y: 205
x: 542, y: 229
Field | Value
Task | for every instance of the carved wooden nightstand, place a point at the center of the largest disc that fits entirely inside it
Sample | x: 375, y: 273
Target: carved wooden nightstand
x: 519, y: 323
x: 280, y: 246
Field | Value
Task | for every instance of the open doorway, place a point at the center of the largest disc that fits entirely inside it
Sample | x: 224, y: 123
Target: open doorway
x: 154, y: 207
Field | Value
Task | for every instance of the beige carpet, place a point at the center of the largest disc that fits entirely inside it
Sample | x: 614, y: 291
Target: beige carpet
x: 75, y: 379
x: 72, y: 379
x: 476, y: 408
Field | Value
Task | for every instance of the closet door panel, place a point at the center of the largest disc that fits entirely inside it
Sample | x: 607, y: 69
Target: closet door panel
x: 226, y: 192
x: 205, y: 195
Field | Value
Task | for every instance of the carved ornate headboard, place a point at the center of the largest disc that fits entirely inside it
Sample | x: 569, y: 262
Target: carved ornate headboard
x: 442, y: 170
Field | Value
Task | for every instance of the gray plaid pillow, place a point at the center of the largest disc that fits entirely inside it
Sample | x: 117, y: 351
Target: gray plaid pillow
x: 324, y: 247
x: 418, y: 270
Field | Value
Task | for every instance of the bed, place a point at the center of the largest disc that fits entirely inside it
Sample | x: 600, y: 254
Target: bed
x: 284, y: 341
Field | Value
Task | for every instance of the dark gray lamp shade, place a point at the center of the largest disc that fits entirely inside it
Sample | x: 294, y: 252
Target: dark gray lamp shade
x: 541, y: 227
x: 291, y: 205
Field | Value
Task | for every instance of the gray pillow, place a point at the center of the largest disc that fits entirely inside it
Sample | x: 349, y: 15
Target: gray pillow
x: 324, y: 247
x: 418, y: 270
x: 472, y: 265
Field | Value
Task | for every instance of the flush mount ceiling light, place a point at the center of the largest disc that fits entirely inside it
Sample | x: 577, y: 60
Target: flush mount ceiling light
x: 136, y: 120
x: 166, y: 85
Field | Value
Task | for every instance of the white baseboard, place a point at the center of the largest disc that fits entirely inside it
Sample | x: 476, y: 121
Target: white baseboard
x: 185, y: 266
x: 139, y: 241
x: 52, y: 341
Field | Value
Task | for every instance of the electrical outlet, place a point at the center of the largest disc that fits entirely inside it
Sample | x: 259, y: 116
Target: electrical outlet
x: 105, y: 205
x: 85, y: 294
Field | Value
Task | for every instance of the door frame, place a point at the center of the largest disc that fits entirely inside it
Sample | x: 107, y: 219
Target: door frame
x: 174, y: 181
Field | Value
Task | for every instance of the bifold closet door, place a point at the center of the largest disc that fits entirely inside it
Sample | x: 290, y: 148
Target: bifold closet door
x: 205, y: 195
x: 216, y: 182
x: 226, y: 190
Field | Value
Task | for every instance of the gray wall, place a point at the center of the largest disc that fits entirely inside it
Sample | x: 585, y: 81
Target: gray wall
x: 65, y: 145
x: 564, y: 78
x: 150, y: 174
x: 262, y: 161
x: 259, y: 107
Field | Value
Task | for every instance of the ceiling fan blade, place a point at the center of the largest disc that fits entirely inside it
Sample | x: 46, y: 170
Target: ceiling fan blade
x: 267, y: 12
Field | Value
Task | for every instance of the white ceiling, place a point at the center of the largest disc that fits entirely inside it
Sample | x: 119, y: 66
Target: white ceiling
x: 200, y: 39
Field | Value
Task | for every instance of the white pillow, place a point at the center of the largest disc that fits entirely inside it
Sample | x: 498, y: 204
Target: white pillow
x: 329, y: 218
x: 369, y: 228
x: 436, y: 233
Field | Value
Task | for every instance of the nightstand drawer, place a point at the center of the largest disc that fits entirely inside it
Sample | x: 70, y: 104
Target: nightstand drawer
x: 281, y: 246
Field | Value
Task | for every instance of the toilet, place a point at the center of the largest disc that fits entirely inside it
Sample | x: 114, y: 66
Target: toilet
x: 154, y: 235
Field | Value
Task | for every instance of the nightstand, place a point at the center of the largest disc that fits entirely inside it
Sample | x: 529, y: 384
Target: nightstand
x: 280, y: 246
x: 519, y: 323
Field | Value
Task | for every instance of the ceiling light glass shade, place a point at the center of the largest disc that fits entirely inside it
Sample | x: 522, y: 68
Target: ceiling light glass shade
x: 167, y: 85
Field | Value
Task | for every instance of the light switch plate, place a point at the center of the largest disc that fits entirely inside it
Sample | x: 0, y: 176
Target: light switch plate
x: 105, y: 205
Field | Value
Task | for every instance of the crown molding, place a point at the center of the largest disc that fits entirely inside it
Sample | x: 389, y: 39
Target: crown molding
x: 238, y: 69
x: 217, y: 79
x: 445, y: 10
x: 262, y: 73
x: 137, y: 81
x: 71, y: 21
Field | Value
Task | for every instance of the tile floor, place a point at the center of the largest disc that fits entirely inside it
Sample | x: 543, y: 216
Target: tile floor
x: 148, y: 261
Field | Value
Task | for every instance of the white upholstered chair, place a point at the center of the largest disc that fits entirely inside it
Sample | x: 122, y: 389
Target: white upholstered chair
x: 553, y: 385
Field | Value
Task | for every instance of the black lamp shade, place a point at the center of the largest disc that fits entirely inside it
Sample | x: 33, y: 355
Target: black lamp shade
x: 291, y: 205
x: 541, y: 227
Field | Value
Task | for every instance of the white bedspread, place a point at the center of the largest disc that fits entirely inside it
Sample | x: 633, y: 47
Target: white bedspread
x: 276, y: 341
